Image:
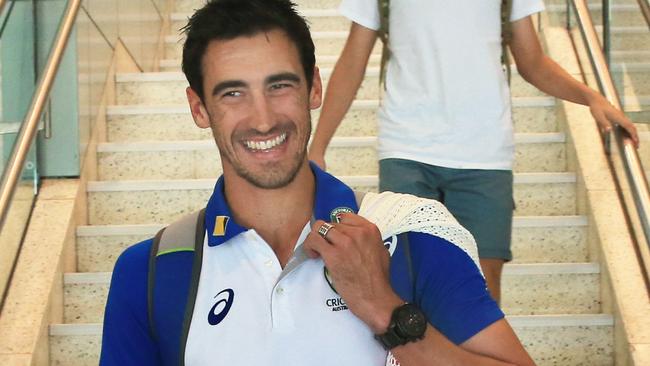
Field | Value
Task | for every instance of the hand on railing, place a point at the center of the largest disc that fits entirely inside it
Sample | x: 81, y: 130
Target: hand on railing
x: 606, y: 115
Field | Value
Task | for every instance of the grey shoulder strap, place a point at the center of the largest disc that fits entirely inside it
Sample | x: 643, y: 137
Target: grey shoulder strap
x: 186, y: 234
x: 180, y: 235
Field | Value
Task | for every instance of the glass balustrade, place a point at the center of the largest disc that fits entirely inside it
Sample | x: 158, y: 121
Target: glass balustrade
x: 17, y: 83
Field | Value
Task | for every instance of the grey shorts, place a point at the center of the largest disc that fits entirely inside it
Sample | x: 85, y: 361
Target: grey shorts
x: 481, y: 200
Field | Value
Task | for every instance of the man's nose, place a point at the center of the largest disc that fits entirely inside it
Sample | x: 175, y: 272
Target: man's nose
x: 262, y: 116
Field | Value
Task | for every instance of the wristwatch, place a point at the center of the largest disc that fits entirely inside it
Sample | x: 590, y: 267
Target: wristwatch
x: 407, y: 324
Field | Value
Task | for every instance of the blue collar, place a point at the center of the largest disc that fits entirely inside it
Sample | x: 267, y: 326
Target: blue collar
x: 332, y: 196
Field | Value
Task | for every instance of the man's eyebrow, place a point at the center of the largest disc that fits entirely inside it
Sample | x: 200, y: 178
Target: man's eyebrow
x: 284, y: 76
x: 226, y: 85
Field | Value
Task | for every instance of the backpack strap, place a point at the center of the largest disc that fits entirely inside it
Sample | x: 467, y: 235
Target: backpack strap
x: 403, y: 240
x: 506, y: 35
x: 384, y: 10
x: 184, y: 235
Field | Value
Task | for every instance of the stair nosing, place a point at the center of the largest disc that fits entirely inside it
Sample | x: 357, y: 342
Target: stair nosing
x: 313, y: 12
x: 359, y: 104
x: 208, y: 183
x: 147, y: 229
x: 525, y: 269
x: 518, y: 321
x: 509, y: 269
x: 630, y: 66
x: 115, y: 230
x: 560, y: 320
x: 314, y: 35
x: 344, y: 141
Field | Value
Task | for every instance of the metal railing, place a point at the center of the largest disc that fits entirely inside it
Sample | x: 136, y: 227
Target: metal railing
x: 29, y: 126
x: 630, y: 159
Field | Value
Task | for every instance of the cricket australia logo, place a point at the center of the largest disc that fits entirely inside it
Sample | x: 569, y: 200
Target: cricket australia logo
x: 336, y: 304
x: 221, y: 308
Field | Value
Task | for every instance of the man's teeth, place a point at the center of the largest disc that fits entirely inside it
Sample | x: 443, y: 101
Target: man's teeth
x: 266, y: 145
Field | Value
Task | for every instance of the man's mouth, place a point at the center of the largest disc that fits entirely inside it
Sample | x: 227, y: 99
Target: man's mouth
x: 266, y: 144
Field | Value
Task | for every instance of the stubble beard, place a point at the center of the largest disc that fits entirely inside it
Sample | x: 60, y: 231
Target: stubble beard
x: 272, y: 175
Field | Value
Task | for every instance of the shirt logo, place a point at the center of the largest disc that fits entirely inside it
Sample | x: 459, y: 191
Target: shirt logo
x: 222, y: 307
x: 220, y: 225
x: 336, y: 304
x: 391, y: 245
x: 334, y: 215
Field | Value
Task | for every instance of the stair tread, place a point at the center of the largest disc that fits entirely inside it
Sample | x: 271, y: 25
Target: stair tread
x: 337, y: 141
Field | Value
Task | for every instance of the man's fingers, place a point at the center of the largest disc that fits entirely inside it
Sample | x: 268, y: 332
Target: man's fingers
x: 352, y: 219
x: 315, y: 245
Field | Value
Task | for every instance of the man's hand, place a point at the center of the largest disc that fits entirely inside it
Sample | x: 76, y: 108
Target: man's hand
x: 358, y: 263
x: 606, y: 115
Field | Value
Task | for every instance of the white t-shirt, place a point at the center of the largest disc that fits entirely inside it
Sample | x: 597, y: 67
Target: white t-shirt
x: 447, y: 101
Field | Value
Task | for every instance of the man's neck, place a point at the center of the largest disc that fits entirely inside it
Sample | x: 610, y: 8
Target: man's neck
x: 277, y: 215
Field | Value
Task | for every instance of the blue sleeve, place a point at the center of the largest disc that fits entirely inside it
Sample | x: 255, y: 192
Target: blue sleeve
x: 449, y: 287
x: 126, y: 339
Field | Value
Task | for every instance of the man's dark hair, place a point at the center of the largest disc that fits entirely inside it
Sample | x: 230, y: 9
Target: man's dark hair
x: 229, y: 19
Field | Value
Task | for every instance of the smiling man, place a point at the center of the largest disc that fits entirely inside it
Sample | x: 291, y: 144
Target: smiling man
x: 287, y: 265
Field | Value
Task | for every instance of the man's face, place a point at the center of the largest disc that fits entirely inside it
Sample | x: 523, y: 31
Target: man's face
x: 258, y: 106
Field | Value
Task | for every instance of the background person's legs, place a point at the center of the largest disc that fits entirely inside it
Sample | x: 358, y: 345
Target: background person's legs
x: 481, y: 200
x: 407, y: 176
x: 492, y: 269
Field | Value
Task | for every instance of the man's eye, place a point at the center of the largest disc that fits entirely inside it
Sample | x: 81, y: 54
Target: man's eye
x: 280, y: 86
x: 232, y: 93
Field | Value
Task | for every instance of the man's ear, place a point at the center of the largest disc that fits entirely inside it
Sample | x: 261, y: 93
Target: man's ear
x: 316, y: 93
x: 199, y: 113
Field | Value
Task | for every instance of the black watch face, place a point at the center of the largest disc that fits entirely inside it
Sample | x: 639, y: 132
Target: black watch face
x: 411, y: 322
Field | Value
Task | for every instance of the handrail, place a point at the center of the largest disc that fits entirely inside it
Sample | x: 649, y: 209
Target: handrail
x: 29, y: 127
x: 631, y: 162
x: 645, y: 10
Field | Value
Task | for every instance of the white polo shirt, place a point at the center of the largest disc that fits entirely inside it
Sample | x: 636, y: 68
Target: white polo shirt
x: 275, y: 316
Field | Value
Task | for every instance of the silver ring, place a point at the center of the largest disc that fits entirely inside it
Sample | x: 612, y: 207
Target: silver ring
x: 324, y: 229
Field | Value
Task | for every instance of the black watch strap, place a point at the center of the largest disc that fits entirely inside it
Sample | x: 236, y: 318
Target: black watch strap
x: 407, y: 324
x: 390, y: 339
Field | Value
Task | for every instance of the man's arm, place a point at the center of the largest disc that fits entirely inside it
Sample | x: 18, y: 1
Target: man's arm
x: 359, y: 265
x: 342, y: 88
x: 126, y: 340
x: 545, y: 74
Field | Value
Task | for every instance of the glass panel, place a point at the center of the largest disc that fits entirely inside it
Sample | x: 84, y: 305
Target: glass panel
x: 17, y: 84
x: 11, y: 233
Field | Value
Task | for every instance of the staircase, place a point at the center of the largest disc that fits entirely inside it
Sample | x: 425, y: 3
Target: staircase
x: 156, y: 166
